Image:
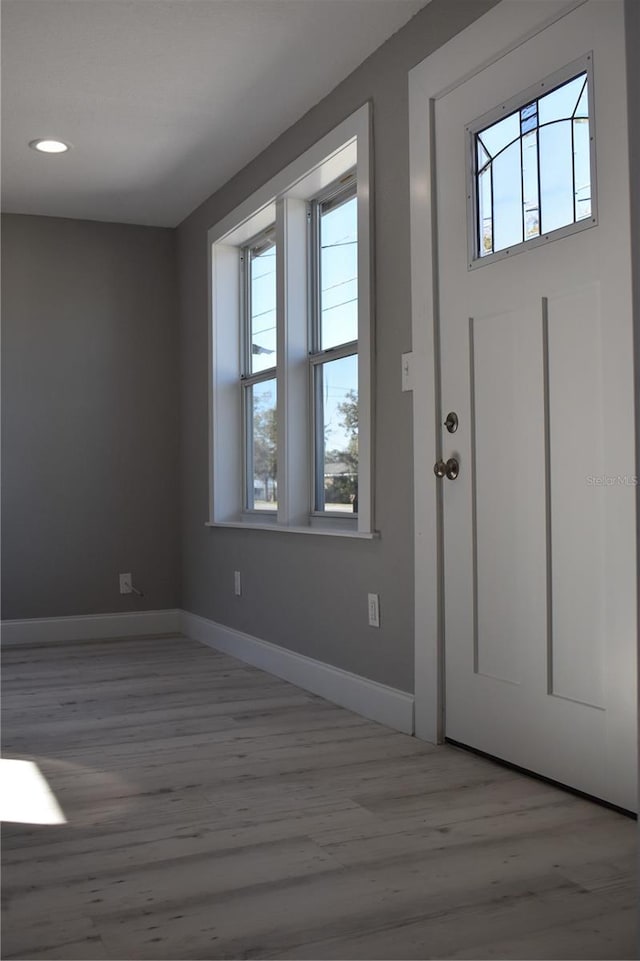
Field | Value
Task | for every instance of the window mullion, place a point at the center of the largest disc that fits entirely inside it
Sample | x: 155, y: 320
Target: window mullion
x: 314, y: 393
x: 245, y: 388
x: 292, y: 368
x: 281, y: 366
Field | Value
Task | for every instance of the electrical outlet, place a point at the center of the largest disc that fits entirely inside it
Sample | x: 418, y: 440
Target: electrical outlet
x: 374, y: 610
x: 237, y: 585
x: 125, y: 584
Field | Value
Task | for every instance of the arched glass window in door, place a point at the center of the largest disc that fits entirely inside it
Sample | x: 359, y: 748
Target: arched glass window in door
x: 533, y: 168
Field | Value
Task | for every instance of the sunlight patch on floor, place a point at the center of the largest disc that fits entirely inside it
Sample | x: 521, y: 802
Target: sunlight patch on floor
x: 26, y: 797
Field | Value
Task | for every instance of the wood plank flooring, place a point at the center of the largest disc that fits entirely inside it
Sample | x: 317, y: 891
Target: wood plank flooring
x: 215, y: 811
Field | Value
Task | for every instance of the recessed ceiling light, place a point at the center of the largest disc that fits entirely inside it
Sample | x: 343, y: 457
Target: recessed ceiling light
x: 50, y: 146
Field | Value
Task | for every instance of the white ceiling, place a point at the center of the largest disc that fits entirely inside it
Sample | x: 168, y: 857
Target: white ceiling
x: 164, y: 100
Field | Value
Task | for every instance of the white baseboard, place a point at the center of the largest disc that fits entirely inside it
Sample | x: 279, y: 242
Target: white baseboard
x: 52, y: 630
x: 381, y: 703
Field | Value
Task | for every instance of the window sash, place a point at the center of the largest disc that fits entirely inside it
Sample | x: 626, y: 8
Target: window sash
x: 248, y: 445
x: 317, y: 424
x: 335, y: 196
x: 264, y: 241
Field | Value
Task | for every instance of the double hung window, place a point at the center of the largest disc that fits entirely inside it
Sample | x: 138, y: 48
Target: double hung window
x: 290, y: 360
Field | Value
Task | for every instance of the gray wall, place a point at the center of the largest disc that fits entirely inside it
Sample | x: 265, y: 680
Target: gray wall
x: 309, y: 593
x: 89, y: 411
x: 632, y: 25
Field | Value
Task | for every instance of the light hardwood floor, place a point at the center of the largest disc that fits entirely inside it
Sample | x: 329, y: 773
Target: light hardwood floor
x: 215, y: 811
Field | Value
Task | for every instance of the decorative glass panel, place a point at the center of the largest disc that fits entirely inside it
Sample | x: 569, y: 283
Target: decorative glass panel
x: 263, y: 308
x: 556, y: 176
x: 529, y: 118
x: 582, y: 110
x: 561, y: 103
x: 530, y: 200
x: 533, y: 169
x: 339, y: 273
x: 485, y: 216
x: 507, y: 197
x: 499, y: 135
x: 337, y: 392
x: 483, y: 156
x: 582, y: 167
x: 263, y: 476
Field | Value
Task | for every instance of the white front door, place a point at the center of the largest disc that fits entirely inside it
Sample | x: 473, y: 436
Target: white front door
x: 536, y: 361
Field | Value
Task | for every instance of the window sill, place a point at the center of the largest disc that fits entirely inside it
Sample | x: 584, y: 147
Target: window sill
x: 323, y: 532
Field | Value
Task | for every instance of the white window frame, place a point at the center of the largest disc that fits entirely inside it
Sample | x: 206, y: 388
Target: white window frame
x: 285, y: 200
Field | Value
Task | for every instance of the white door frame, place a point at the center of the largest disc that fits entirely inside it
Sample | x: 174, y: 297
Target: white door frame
x: 499, y: 31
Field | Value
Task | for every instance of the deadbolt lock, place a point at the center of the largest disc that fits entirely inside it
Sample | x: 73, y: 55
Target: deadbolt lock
x: 451, y: 423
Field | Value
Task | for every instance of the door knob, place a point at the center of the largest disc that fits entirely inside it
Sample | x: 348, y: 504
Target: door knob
x: 452, y: 468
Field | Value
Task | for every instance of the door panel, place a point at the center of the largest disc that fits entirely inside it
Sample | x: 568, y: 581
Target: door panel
x: 577, y: 531
x: 539, y: 527
x: 506, y: 458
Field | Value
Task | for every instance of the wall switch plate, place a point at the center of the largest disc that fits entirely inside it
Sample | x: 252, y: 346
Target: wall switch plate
x: 407, y: 371
x: 237, y: 585
x: 374, y: 610
x: 125, y: 584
